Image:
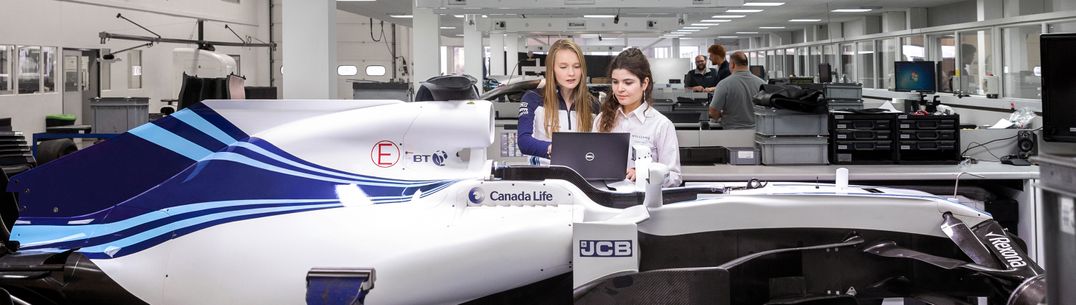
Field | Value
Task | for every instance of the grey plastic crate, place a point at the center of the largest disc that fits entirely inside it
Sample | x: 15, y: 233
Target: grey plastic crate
x: 793, y: 150
x: 118, y: 114
x: 780, y: 122
x: 843, y: 91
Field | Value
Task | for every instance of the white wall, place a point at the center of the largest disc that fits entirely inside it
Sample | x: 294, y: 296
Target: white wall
x: 355, y: 47
x: 76, y: 24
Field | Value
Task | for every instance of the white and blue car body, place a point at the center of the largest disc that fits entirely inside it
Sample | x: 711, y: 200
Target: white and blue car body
x: 386, y: 202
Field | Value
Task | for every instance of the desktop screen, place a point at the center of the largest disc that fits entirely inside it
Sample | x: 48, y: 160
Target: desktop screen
x: 915, y: 76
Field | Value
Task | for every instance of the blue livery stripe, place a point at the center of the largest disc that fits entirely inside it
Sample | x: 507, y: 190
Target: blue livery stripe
x: 196, y: 121
x: 164, y: 138
x: 192, y: 222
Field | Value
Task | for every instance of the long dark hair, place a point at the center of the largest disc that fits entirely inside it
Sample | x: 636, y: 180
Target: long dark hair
x: 634, y: 62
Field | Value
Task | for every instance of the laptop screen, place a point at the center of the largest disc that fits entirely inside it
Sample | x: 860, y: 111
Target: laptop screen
x: 595, y: 156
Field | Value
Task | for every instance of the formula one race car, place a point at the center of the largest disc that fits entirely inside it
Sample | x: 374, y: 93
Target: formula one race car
x: 386, y: 202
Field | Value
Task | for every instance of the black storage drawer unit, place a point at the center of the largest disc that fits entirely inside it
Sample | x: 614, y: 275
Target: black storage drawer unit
x: 928, y: 122
x: 928, y: 139
x: 862, y: 135
x: 927, y: 135
x: 862, y: 152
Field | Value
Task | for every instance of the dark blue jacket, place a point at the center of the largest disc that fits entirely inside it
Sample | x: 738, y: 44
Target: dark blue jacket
x: 532, y: 100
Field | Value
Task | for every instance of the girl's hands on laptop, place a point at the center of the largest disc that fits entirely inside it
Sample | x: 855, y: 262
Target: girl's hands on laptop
x: 549, y: 150
x: 631, y: 174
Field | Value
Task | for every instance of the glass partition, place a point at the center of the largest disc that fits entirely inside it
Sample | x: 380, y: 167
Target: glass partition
x: 974, y: 55
x: 888, y: 53
x: 943, y: 50
x: 1021, y: 70
x: 865, y: 56
x: 816, y: 58
x: 912, y: 48
x: 848, y: 67
x: 29, y: 69
x: 801, y: 61
x: 7, y: 69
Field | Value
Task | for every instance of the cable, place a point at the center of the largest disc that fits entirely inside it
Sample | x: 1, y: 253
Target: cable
x: 372, y: 31
x: 983, y: 145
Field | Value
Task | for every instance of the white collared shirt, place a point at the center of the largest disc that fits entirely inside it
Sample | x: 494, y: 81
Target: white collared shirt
x: 649, y: 127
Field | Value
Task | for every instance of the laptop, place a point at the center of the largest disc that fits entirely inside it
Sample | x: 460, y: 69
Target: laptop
x: 594, y: 155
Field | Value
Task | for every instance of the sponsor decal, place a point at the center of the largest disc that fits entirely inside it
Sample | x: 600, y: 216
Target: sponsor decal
x: 385, y: 154
x: 605, y: 248
x: 523, y: 110
x: 475, y: 196
x: 522, y: 196
x: 1003, y: 245
x: 437, y: 158
x: 589, y: 156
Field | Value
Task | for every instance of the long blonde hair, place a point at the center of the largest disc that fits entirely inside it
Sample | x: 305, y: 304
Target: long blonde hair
x: 581, y: 96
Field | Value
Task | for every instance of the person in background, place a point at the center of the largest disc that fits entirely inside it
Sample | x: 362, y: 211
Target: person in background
x: 627, y: 109
x: 731, y: 103
x: 562, y: 104
x: 701, y: 79
x: 717, y: 57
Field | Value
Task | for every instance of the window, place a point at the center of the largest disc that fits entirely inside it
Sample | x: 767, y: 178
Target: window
x: 48, y: 71
x: 974, y: 56
x: 457, y: 61
x: 29, y: 69
x: 134, y: 64
x: 661, y: 52
x: 444, y: 60
x: 790, y: 61
x: 347, y: 70
x: 848, y: 67
x: 829, y: 56
x: 238, y: 63
x: 688, y: 51
x: 912, y: 48
x: 801, y: 61
x: 772, y: 66
x: 888, y: 53
x: 1021, y: 74
x: 375, y: 70
x: 866, y: 63
x: 7, y: 67
x: 816, y: 58
x: 943, y: 50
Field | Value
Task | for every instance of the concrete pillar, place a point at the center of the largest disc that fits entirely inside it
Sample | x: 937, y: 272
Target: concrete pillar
x: 989, y: 9
x: 473, y: 51
x: 894, y: 21
x: 917, y: 18
x: 426, y: 44
x: 309, y: 47
x: 835, y: 30
x: 511, y: 46
x: 675, y: 49
x: 496, y: 50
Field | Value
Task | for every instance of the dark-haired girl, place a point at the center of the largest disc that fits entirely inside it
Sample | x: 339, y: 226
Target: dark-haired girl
x: 628, y: 109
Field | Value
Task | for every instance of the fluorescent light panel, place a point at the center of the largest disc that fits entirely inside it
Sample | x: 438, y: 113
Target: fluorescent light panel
x: 400, y: 16
x: 714, y: 20
x: 746, y: 33
x: 694, y: 28
x: 728, y: 37
x: 448, y: 28
x: 727, y: 16
x: 743, y: 11
x: 852, y: 10
x: 599, y: 16
x: 771, y: 27
x: 763, y: 3
x: 804, y: 20
x: 703, y: 24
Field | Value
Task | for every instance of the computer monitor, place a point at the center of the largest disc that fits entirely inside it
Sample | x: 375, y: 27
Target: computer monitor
x: 594, y: 155
x: 918, y: 76
x: 759, y: 71
x: 1058, y: 93
x: 825, y: 73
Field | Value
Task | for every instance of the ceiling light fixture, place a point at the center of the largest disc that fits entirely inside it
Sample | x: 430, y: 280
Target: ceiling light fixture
x: 400, y: 16
x: 763, y: 3
x: 771, y: 27
x: 448, y: 28
x: 727, y: 37
x: 852, y: 10
x: 694, y: 28
x: 743, y: 11
x: 747, y: 33
x: 689, y: 30
x: 727, y: 16
x: 804, y: 20
x: 703, y: 24
x: 715, y: 20
x: 599, y: 16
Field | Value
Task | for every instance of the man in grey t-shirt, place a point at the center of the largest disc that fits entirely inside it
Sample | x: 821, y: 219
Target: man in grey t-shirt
x: 731, y: 103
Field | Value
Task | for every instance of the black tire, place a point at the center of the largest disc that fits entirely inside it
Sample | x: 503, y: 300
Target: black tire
x: 54, y: 149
